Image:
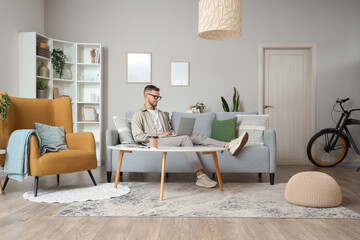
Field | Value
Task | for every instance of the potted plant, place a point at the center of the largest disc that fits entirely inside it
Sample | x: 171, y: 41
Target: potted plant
x: 58, y: 59
x: 236, y: 103
x: 4, y: 105
x: 41, y: 87
x: 200, y: 107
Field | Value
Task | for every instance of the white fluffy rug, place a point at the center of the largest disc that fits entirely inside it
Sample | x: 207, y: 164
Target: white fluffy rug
x: 188, y: 200
x: 66, y: 195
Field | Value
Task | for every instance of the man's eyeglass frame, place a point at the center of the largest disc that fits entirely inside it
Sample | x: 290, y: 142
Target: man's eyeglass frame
x: 155, y: 96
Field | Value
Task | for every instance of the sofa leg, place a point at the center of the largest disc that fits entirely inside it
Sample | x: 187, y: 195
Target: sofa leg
x: 272, y: 178
x: 58, y: 179
x: 121, y: 174
x: 260, y: 174
x: 213, y: 175
x: 108, y: 176
x: 92, y: 177
x: 36, y: 184
x: 5, y: 183
x: 167, y: 175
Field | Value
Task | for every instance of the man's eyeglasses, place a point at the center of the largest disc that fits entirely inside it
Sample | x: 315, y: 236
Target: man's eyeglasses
x: 156, y: 97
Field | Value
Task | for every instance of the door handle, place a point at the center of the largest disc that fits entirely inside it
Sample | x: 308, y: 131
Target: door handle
x: 267, y: 106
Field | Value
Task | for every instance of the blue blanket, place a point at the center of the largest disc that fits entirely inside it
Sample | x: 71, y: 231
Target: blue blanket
x: 17, y: 152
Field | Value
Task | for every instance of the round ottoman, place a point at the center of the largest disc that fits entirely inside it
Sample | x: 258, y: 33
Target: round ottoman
x: 313, y: 189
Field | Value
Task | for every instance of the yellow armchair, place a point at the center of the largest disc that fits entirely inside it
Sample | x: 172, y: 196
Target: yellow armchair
x: 23, y: 113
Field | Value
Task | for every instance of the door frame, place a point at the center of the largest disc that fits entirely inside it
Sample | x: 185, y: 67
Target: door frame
x: 261, y: 71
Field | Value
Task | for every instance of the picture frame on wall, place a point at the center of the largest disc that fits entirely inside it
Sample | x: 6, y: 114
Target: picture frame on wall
x: 180, y: 73
x: 138, y: 67
x: 88, y: 114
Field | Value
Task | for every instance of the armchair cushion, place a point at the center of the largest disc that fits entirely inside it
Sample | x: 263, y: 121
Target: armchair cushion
x: 51, y: 137
x: 63, y: 161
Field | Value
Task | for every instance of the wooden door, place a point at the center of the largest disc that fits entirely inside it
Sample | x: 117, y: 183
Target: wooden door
x: 288, y: 99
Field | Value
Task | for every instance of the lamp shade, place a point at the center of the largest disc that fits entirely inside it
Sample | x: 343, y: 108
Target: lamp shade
x: 219, y: 19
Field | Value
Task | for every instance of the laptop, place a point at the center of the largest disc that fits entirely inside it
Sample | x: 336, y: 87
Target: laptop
x: 186, y: 126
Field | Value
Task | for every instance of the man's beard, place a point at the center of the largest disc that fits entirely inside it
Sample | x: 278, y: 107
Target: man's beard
x: 153, y: 105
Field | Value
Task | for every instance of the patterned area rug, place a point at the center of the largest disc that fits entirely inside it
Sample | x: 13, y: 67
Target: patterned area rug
x: 68, y: 194
x: 258, y: 200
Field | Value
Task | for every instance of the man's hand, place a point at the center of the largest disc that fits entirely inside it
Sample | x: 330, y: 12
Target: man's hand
x: 165, y: 134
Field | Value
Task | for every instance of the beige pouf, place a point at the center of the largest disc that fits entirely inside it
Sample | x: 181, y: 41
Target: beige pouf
x: 313, y: 189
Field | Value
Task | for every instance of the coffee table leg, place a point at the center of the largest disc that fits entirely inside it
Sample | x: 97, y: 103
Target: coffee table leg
x: 162, y: 176
x: 217, y: 168
x: 121, y: 154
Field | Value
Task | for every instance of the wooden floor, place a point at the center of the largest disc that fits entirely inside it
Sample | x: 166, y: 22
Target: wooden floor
x: 21, y: 219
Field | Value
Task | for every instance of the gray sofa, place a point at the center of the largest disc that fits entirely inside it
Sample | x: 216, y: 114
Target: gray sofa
x: 251, y: 159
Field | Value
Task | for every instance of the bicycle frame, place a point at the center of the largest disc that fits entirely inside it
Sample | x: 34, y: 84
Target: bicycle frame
x: 344, y: 121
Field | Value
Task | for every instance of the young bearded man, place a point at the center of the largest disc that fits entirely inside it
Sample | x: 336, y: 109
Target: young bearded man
x: 150, y: 121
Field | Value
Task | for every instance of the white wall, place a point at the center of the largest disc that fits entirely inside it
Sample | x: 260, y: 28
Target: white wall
x: 168, y: 29
x: 16, y: 16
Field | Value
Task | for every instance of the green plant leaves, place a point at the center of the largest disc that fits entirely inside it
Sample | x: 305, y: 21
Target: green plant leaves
x: 236, y: 102
x: 58, y: 59
x: 41, y: 85
x: 225, y: 105
x: 4, y: 104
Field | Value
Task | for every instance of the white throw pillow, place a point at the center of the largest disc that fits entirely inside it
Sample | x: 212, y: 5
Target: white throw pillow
x: 254, y: 125
x: 122, y: 125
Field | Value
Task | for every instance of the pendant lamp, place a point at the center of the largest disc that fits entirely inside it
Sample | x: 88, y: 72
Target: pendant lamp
x: 219, y: 19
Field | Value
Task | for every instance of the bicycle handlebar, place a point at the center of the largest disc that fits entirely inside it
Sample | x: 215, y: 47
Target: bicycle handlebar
x: 342, y: 100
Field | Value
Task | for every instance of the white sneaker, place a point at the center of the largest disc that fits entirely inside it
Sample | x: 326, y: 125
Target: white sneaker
x: 238, y: 143
x: 205, y: 182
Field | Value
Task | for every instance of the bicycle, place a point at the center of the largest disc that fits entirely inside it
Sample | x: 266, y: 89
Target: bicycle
x: 330, y: 146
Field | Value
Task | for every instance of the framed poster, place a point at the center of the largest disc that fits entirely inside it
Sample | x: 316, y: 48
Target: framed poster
x: 180, y: 74
x: 138, y: 68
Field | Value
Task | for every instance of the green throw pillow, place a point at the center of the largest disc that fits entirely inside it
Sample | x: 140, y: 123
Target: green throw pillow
x: 224, y: 130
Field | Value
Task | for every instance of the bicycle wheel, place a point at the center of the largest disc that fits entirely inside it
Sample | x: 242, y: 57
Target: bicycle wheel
x: 327, y: 148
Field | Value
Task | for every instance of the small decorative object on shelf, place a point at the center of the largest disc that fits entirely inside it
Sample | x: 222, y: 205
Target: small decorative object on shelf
x: 198, y: 108
x: 67, y: 74
x: 41, y: 45
x: 56, y: 93
x: 58, y: 59
x: 88, y: 114
x: 41, y: 87
x: 65, y: 96
x: 42, y: 50
x: 236, y: 103
x: 4, y: 105
x: 92, y: 54
x: 43, y: 70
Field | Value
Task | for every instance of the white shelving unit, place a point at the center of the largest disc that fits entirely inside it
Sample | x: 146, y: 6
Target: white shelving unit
x: 83, y: 84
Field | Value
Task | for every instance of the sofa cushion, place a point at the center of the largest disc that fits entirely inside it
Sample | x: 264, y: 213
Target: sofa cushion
x: 224, y: 130
x: 228, y: 115
x: 122, y: 125
x: 254, y: 125
x: 202, y: 124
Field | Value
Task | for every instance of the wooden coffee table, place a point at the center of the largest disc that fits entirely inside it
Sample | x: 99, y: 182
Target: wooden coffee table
x: 2, y: 151
x: 204, y: 150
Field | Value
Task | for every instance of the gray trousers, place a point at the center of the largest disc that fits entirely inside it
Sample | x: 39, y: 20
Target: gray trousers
x: 190, y: 141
